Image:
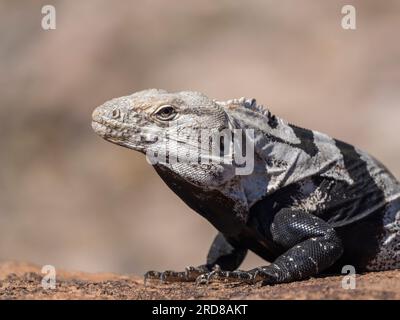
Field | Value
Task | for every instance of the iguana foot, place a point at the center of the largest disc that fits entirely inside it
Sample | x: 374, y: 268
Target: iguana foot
x: 189, y: 275
x: 263, y: 275
x: 225, y: 276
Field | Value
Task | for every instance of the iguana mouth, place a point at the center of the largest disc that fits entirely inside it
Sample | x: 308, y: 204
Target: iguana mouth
x: 108, y: 130
x: 121, y: 135
x: 107, y: 127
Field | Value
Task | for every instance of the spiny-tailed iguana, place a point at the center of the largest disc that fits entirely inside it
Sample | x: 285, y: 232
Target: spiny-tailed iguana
x: 309, y: 204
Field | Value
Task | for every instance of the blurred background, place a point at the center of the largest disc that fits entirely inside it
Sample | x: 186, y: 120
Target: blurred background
x: 70, y: 199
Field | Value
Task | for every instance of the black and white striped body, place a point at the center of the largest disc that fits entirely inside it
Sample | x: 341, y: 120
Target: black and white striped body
x: 332, y: 180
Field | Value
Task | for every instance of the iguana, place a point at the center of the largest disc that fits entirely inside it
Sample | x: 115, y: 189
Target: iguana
x: 310, y: 204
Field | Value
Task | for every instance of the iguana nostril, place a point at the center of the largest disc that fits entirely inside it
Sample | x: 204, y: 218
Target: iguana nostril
x: 115, y: 114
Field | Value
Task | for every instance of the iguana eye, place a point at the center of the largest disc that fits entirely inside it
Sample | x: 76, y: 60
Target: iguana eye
x: 165, y: 113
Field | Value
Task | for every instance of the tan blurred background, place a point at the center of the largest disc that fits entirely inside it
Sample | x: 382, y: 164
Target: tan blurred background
x: 70, y: 199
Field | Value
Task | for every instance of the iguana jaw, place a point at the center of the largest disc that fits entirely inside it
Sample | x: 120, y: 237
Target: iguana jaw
x: 117, y: 132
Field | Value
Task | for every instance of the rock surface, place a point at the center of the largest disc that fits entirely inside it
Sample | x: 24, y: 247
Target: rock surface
x: 23, y: 281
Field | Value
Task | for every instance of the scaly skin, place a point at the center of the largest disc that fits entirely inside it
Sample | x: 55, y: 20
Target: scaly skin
x: 309, y: 204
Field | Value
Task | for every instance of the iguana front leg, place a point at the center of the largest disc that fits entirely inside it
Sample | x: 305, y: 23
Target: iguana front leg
x: 312, y: 246
x: 222, y: 255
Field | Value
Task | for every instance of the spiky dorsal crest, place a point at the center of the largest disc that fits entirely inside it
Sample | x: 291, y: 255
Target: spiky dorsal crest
x: 251, y: 104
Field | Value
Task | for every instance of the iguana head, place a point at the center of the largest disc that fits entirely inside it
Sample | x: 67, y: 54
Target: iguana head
x: 167, y: 127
